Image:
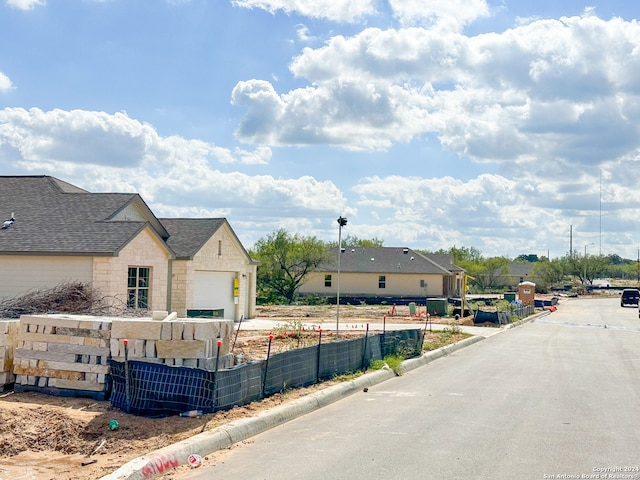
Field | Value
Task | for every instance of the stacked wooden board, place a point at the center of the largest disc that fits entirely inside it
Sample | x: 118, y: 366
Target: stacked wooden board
x: 63, y: 354
x: 8, y: 332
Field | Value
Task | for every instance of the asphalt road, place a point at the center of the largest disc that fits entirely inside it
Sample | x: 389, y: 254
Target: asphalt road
x: 555, y: 398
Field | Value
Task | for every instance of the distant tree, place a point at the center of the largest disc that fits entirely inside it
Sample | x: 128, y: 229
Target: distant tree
x: 353, y: 241
x: 489, y: 272
x: 285, y: 260
x: 548, y: 273
x: 464, y: 254
x: 586, y: 267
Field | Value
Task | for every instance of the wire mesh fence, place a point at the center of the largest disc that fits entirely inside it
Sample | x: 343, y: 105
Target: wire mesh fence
x: 155, y: 390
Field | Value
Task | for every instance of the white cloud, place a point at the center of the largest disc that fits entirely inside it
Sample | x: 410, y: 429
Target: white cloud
x: 99, y: 138
x: 336, y: 10
x: 25, y: 4
x: 5, y: 83
x: 444, y: 14
x: 546, y: 91
x: 104, y: 152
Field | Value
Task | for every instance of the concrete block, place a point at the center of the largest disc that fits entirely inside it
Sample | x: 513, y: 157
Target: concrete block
x: 42, y: 346
x: 78, y: 349
x: 54, y: 320
x: 187, y: 333
x: 138, y: 348
x: 166, y: 331
x: 114, y: 347
x: 6, y: 364
x: 180, y: 348
x: 138, y: 329
x: 159, y: 315
x: 6, y: 378
x: 47, y: 355
x: 74, y: 367
x: 76, y: 385
x: 176, y: 330
x: 150, y: 348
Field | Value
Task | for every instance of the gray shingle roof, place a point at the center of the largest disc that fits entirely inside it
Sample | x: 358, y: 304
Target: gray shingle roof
x: 53, y: 217
x: 382, y: 260
x: 188, y: 235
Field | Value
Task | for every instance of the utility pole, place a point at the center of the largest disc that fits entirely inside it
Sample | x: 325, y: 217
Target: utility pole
x: 341, y: 223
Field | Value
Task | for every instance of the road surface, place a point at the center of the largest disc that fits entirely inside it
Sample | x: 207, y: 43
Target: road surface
x: 555, y: 398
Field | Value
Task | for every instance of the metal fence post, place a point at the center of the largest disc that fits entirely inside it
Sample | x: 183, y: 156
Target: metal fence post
x: 127, y: 385
x: 364, y: 349
x: 215, y: 374
x: 318, y: 357
x: 266, y: 365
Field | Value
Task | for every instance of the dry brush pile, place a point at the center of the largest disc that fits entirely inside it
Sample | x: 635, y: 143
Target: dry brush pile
x: 70, y: 297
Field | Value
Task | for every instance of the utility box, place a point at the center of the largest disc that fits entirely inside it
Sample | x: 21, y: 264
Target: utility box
x: 527, y: 292
x: 510, y: 296
x: 437, y: 307
x: 206, y: 313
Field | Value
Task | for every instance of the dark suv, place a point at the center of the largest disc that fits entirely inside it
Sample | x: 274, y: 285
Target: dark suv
x: 630, y: 296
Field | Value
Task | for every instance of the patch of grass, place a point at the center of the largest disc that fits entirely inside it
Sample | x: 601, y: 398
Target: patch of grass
x: 391, y: 361
x: 442, y: 338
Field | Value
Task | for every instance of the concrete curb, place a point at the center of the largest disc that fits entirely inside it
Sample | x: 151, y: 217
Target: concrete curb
x: 164, y: 459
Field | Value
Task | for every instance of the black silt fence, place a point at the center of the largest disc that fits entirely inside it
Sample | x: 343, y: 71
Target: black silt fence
x: 156, y: 390
x: 292, y: 369
x: 159, y: 390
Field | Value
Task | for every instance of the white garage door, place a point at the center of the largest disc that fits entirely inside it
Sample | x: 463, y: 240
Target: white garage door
x: 214, y: 290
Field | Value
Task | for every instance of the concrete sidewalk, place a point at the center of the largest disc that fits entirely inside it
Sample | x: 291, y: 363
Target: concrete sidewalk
x: 165, y: 459
x: 266, y: 324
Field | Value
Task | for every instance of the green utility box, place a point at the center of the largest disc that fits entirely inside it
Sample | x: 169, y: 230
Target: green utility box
x: 510, y: 296
x: 437, y: 307
x: 214, y: 313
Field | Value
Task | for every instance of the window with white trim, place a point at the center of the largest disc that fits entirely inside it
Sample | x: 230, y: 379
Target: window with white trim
x: 138, y: 287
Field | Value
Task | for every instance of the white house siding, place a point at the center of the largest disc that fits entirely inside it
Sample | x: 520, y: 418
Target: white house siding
x: 24, y: 273
x: 146, y: 250
x: 189, y: 291
x: 362, y: 284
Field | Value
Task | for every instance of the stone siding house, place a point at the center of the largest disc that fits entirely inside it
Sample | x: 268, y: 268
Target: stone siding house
x: 61, y: 233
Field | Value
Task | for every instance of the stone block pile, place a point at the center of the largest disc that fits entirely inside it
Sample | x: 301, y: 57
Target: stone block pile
x: 60, y: 353
x: 188, y: 343
x: 67, y: 354
x: 8, y: 332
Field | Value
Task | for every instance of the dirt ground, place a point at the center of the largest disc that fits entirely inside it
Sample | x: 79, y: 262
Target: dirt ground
x: 44, y: 437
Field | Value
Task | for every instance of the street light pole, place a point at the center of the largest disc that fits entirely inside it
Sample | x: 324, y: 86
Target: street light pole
x: 341, y: 223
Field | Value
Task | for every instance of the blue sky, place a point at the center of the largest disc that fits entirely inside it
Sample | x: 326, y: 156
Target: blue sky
x: 508, y: 126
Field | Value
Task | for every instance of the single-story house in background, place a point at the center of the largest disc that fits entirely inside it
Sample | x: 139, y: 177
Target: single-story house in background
x: 385, y: 272
x: 517, y: 273
x: 61, y: 233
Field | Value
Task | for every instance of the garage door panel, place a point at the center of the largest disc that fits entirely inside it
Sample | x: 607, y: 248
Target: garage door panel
x: 214, y: 290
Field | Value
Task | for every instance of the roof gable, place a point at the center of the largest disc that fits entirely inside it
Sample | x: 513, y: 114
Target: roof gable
x: 188, y: 235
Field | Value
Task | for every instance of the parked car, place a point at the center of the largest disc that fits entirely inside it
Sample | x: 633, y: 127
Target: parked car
x: 630, y: 296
